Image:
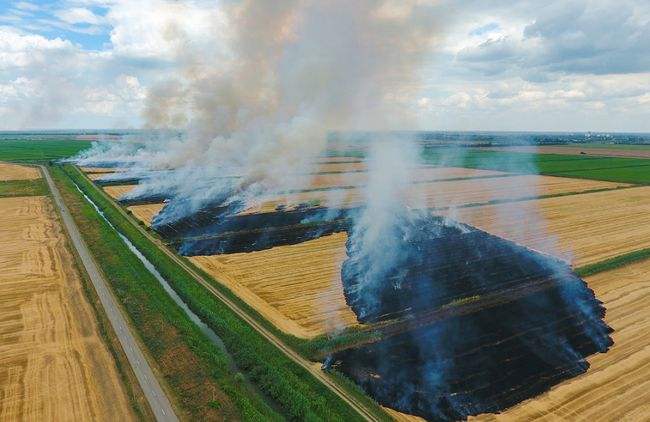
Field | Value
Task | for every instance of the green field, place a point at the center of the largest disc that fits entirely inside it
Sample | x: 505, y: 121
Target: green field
x: 297, y: 394
x: 198, y: 372
x: 39, y: 151
x: 615, y: 169
x: 23, y: 188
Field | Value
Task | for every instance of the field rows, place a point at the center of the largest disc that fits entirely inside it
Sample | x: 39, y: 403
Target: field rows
x: 53, y: 363
x: 297, y: 287
x: 10, y: 171
x: 616, y: 387
x: 581, y: 228
x: 446, y: 193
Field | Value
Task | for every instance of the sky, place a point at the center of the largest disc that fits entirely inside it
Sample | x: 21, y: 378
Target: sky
x: 527, y: 65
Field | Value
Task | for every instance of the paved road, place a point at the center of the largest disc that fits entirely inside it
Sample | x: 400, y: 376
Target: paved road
x: 153, y: 392
x: 311, y: 367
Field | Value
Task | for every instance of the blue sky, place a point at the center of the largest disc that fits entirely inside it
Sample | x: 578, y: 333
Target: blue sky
x: 496, y: 65
x: 57, y: 19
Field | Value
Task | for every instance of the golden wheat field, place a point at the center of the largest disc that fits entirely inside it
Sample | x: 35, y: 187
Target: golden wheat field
x: 451, y: 193
x: 581, y: 228
x: 616, y: 387
x: 97, y: 176
x: 100, y: 170
x: 53, y: 362
x: 297, y: 287
x: 10, y: 171
x: 421, y: 174
x: 117, y: 191
x: 145, y: 213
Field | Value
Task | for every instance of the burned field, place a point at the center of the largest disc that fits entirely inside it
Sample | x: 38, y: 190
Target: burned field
x: 528, y: 321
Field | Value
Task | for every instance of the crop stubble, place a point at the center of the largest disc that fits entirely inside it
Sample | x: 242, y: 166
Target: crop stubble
x: 53, y: 362
x: 616, y: 387
x: 10, y: 171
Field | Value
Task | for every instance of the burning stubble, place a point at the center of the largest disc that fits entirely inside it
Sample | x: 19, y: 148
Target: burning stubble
x: 255, y: 124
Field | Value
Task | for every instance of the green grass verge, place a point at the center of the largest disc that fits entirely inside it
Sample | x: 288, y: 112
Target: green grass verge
x: 197, y: 371
x: 613, y: 263
x: 40, y: 151
x: 35, y: 187
x: 297, y: 392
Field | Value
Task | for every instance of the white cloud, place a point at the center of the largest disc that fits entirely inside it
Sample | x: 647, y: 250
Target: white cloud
x: 79, y: 15
x: 157, y: 28
x: 497, y: 65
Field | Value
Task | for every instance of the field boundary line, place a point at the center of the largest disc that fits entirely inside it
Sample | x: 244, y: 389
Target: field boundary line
x: 613, y: 263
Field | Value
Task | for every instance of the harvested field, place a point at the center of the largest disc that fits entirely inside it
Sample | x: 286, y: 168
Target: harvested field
x: 53, y: 362
x: 422, y: 174
x: 10, y: 171
x: 346, y: 166
x: 586, y: 228
x: 145, y: 213
x: 297, y: 287
x: 402, y: 417
x: 117, y: 191
x: 340, y: 159
x: 577, y: 150
x: 99, y: 170
x: 617, y: 386
x: 97, y: 176
x: 449, y: 193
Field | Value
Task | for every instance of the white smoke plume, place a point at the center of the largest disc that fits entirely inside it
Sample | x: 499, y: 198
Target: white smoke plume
x: 282, y: 75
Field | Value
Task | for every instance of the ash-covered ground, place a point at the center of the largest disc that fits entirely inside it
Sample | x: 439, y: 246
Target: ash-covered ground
x: 487, y: 323
x: 518, y: 322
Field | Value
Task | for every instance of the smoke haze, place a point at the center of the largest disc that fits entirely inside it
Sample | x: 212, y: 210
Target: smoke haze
x: 261, y: 103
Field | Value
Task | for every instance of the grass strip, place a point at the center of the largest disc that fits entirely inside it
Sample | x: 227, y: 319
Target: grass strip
x: 613, y: 263
x: 297, y: 392
x: 12, y: 188
x: 197, y: 371
x: 134, y: 392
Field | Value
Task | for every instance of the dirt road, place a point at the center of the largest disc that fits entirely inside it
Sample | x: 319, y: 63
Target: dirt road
x: 309, y: 366
x: 154, y: 393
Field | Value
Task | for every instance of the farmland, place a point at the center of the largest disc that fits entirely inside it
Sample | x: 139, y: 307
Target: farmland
x: 297, y: 288
x: 616, y: 385
x: 36, y: 150
x: 118, y: 190
x: 278, y: 378
x: 55, y: 363
x: 634, y: 151
x: 582, y: 228
x: 452, y: 193
x: 10, y: 171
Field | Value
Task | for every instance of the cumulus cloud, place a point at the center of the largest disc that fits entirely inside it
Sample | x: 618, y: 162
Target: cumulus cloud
x: 554, y: 65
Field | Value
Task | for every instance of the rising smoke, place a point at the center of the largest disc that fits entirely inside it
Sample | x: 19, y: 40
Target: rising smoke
x: 247, y: 119
x: 287, y: 73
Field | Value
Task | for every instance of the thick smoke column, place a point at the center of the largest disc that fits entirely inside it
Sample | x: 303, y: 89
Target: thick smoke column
x: 260, y: 105
x: 376, y: 241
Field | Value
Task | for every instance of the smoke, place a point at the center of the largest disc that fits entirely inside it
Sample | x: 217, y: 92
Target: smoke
x: 249, y: 117
x: 377, y: 238
x: 260, y: 105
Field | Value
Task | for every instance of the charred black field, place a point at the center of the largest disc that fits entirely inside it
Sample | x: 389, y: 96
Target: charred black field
x: 470, y: 323
x: 528, y: 323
